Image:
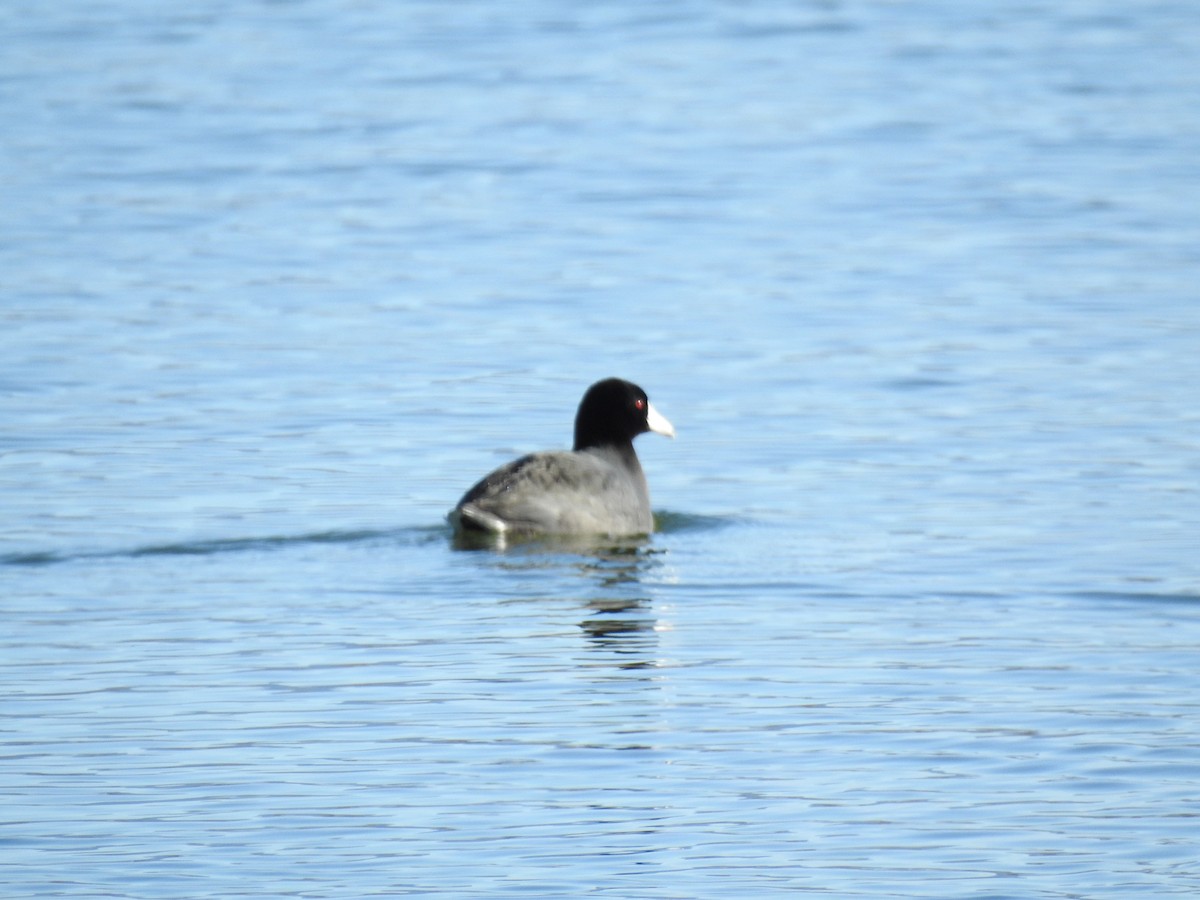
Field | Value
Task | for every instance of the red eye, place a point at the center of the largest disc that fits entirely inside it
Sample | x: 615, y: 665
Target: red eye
x: 639, y: 404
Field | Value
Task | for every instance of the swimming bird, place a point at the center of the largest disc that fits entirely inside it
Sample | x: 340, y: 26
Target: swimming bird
x: 598, y: 487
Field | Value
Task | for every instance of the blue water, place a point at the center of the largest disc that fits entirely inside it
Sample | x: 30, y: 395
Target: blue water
x: 915, y: 282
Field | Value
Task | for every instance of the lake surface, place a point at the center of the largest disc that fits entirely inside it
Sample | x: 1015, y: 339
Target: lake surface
x: 916, y: 284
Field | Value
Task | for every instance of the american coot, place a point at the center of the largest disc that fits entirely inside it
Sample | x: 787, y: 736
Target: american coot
x: 596, y: 488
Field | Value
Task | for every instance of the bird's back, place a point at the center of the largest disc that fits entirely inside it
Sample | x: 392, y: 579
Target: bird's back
x: 587, y: 492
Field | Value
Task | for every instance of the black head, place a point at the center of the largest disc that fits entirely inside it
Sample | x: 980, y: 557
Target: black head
x: 614, y: 411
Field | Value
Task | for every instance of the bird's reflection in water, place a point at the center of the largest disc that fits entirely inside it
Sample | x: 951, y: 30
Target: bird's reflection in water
x: 620, y: 615
x: 626, y: 628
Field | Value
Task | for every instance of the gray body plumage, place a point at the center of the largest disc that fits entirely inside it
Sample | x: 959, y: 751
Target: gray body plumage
x: 593, y: 491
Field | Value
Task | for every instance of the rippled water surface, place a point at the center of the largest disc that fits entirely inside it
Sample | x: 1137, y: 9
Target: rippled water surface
x: 916, y: 284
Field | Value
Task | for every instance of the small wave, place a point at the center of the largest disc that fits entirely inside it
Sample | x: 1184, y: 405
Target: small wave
x: 1183, y: 597
x: 669, y: 522
x: 223, y: 545
x: 666, y: 522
